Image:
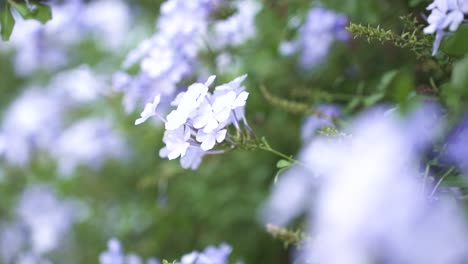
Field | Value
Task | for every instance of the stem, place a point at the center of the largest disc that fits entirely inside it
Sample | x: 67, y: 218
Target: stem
x: 264, y: 145
x: 441, y: 180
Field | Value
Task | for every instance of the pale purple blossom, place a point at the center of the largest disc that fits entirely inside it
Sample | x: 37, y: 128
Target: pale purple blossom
x: 78, y: 85
x: 239, y: 27
x: 88, y: 142
x: 47, y: 218
x: 116, y: 255
x: 177, y: 142
x: 49, y: 47
x: 445, y: 14
x: 12, y: 240
x: 363, y: 197
x: 211, y: 255
x: 200, y: 120
x: 149, y: 111
x: 171, y: 53
x: 32, y: 122
x: 315, y: 37
x: 457, y: 146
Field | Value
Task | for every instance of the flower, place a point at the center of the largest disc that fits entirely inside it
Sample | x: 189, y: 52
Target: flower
x: 320, y: 30
x: 192, y: 158
x: 115, y: 255
x: 23, y: 128
x: 176, y: 142
x: 208, y: 140
x: 88, y: 142
x: 211, y: 255
x: 170, y: 55
x: 47, y: 218
x: 201, y: 120
x: 365, y: 190
x: 457, y: 146
x: 49, y: 46
x: 445, y: 14
x: 149, y: 111
x: 238, y: 28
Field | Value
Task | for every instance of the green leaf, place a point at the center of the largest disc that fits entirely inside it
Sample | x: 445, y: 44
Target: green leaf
x: 40, y: 12
x: 22, y: 9
x: 43, y: 13
x: 461, y: 182
x: 386, y: 80
x: 414, y: 3
x: 456, y: 43
x: 401, y: 86
x: 460, y: 75
x: 283, y: 164
x: 7, y: 21
x: 373, y: 99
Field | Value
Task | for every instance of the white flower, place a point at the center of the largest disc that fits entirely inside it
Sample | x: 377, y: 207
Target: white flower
x: 187, y: 103
x: 223, y: 104
x: 445, y: 14
x: 192, y: 158
x: 149, y: 111
x: 205, y: 118
x: 176, y: 142
x: 201, y: 120
x: 209, y: 139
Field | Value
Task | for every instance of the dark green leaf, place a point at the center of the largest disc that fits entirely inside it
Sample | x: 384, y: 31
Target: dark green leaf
x: 456, y: 43
x: 22, y: 9
x: 460, y: 75
x: 43, y: 13
x: 373, y: 99
x: 8, y: 23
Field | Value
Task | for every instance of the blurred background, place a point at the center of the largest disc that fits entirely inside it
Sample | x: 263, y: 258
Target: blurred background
x: 75, y: 171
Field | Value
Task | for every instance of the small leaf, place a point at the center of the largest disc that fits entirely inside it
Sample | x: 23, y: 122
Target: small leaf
x: 459, y: 74
x: 22, y: 9
x: 373, y: 99
x: 38, y: 11
x: 42, y: 13
x: 456, y: 43
x: 283, y: 164
x: 386, y: 80
x: 8, y: 22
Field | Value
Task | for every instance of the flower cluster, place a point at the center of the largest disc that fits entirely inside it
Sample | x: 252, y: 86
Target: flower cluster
x: 321, y: 29
x: 211, y: 255
x: 445, y: 14
x: 170, y: 54
x: 376, y: 196
x: 42, y: 220
x: 200, y: 119
x: 35, y: 122
x: 115, y: 255
x: 239, y: 27
x: 89, y: 141
x: 48, y: 47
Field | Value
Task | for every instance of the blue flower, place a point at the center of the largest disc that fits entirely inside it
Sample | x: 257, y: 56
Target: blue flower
x: 445, y: 14
x: 321, y: 29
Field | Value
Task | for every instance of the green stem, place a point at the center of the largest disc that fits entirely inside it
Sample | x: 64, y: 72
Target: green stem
x: 264, y: 145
